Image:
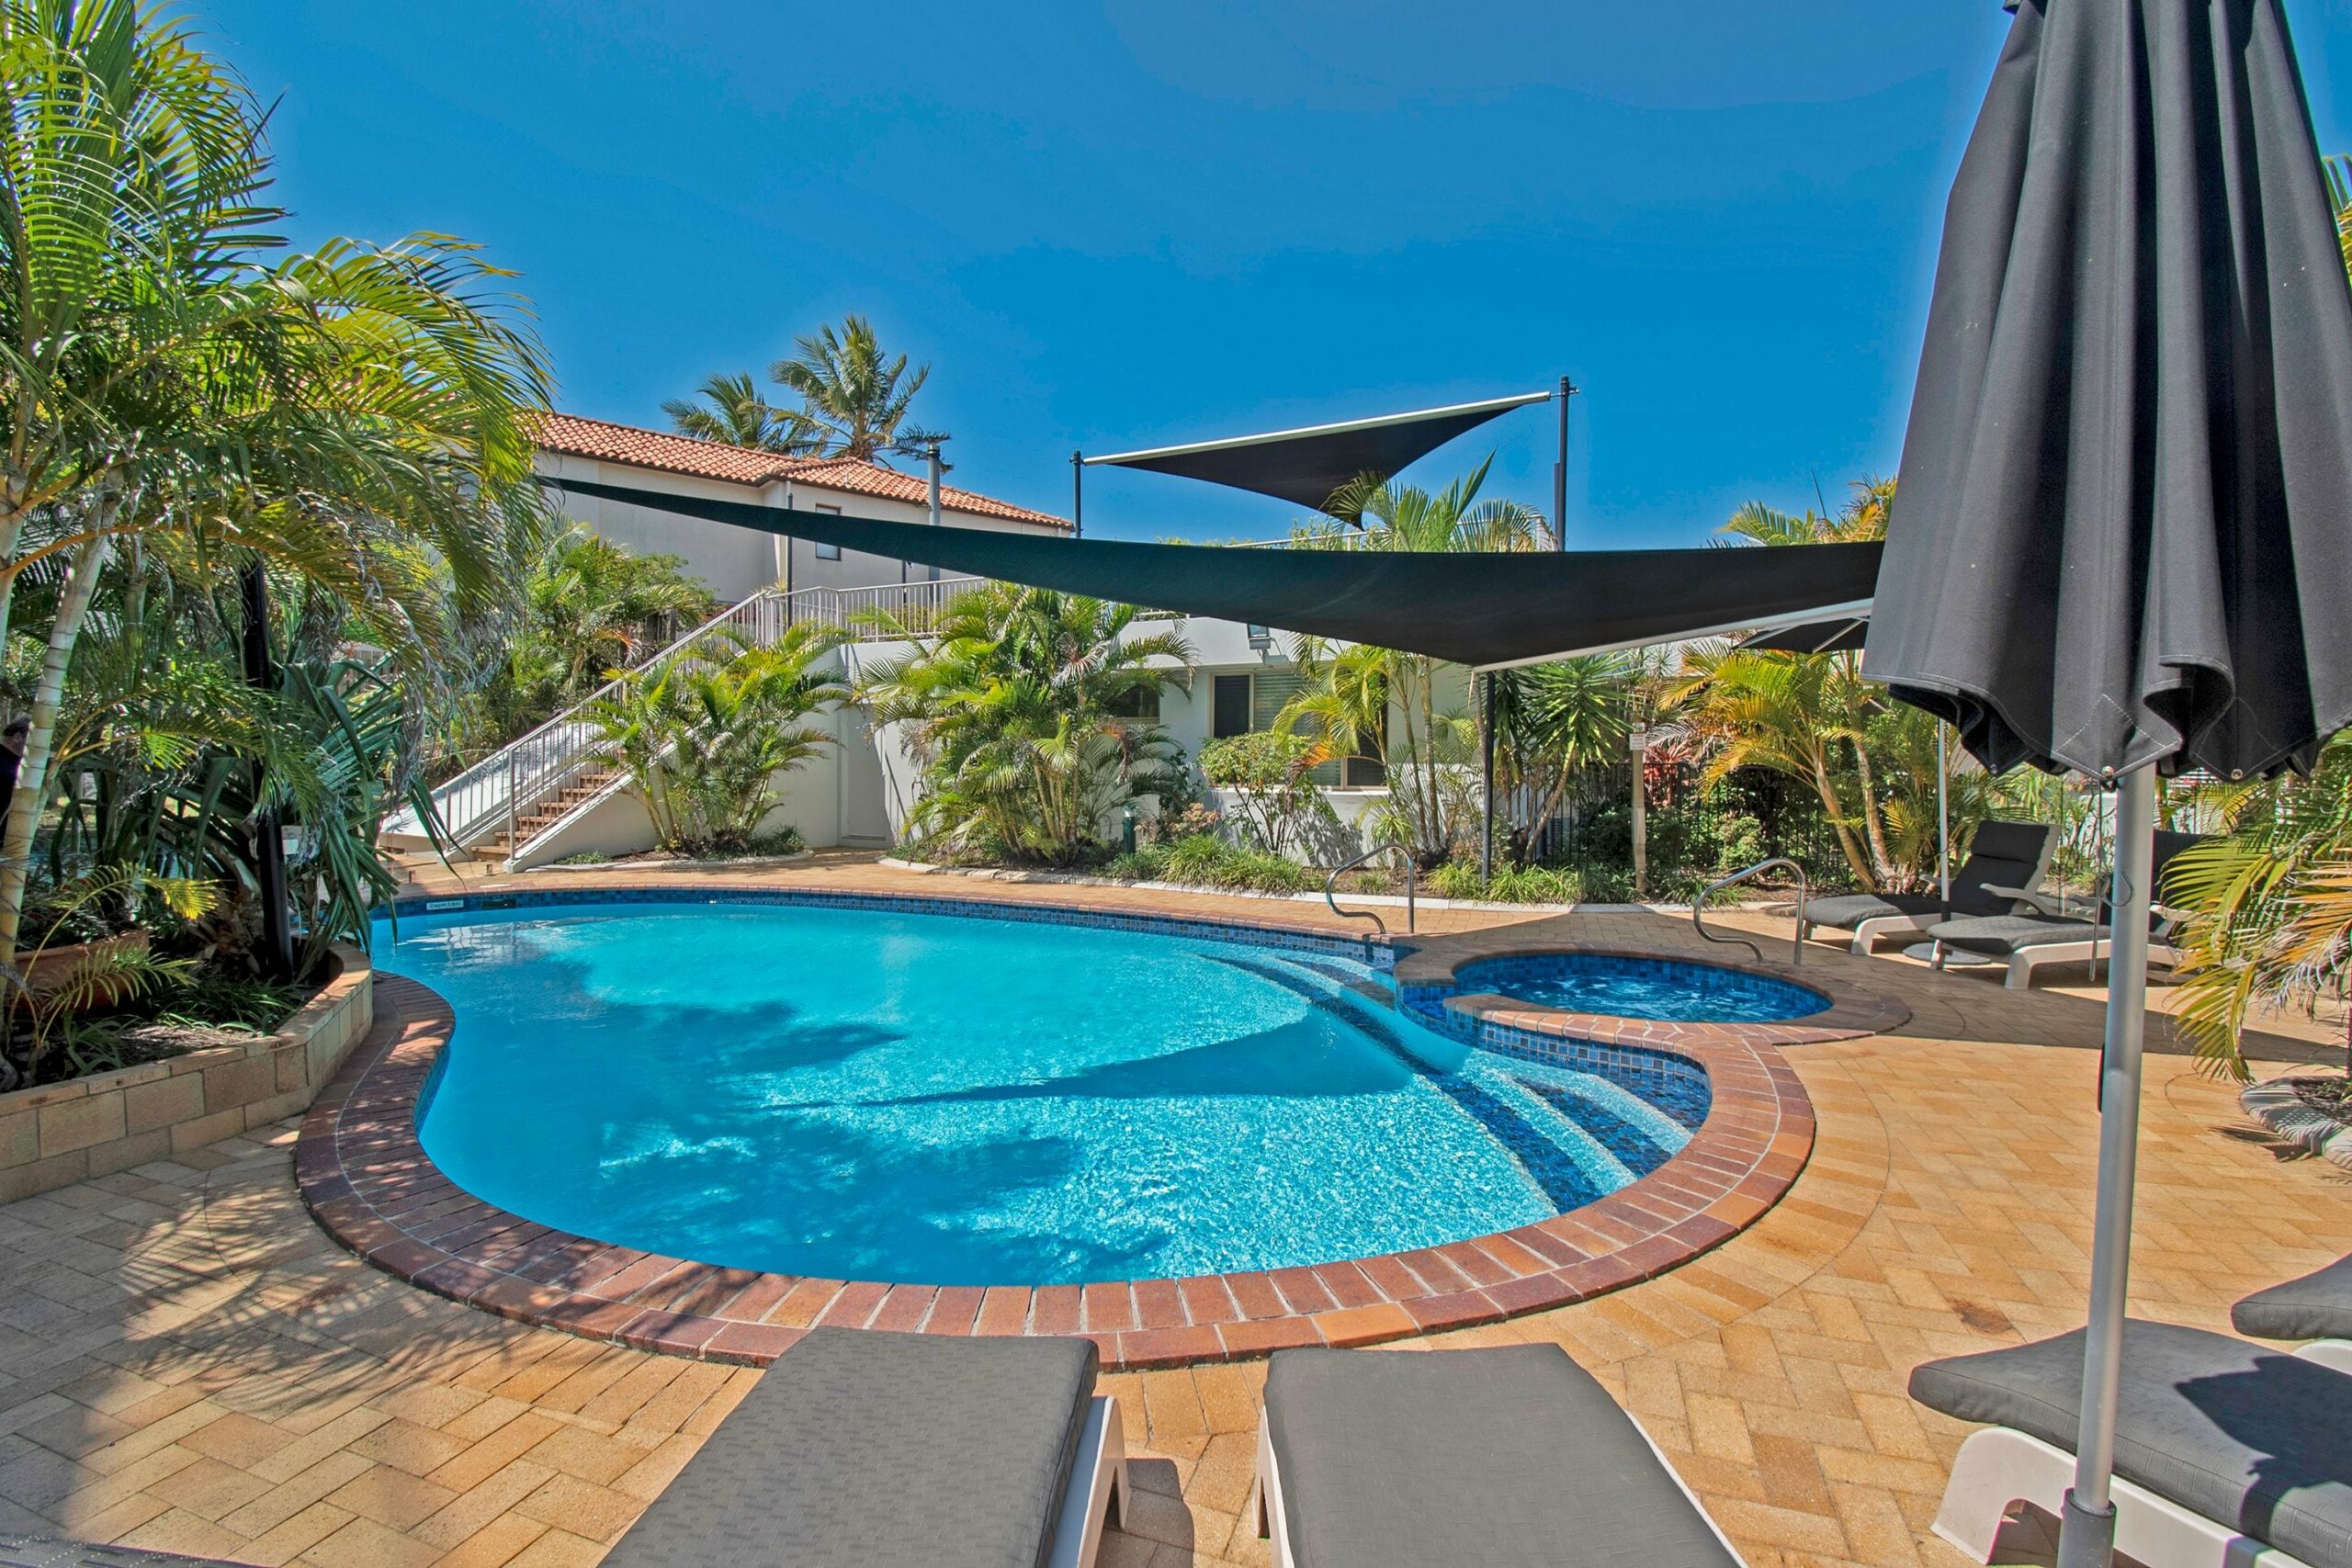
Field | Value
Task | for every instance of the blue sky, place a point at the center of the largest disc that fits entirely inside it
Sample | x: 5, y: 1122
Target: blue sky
x: 1122, y: 224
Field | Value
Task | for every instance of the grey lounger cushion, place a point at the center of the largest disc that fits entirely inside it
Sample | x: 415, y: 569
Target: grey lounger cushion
x: 1852, y: 909
x: 2250, y: 1437
x: 50, y: 1551
x: 884, y: 1450
x: 2004, y: 854
x: 2317, y: 1306
x: 1502, y: 1457
x: 2001, y: 935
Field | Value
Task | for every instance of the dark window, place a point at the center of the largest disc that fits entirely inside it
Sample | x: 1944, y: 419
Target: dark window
x: 1141, y: 703
x: 1231, y: 713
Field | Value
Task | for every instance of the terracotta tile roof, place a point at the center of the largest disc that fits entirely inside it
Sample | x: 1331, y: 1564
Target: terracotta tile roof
x: 658, y: 449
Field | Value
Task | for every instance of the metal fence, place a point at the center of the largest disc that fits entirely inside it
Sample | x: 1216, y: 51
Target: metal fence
x: 1693, y: 831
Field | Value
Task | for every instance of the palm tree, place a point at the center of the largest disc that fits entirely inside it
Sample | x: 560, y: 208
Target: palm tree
x: 360, y: 414
x: 1809, y: 716
x: 1354, y: 693
x: 1551, y: 720
x: 2269, y: 903
x: 728, y: 409
x: 1789, y: 714
x: 703, y: 738
x: 851, y: 396
x: 1863, y: 517
x: 1019, y: 705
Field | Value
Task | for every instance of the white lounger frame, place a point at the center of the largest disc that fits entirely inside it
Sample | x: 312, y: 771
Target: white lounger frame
x: 1273, y: 1517
x: 2334, y: 1354
x: 2025, y: 960
x: 1998, y: 1466
x: 1098, y: 1486
x: 1867, y: 932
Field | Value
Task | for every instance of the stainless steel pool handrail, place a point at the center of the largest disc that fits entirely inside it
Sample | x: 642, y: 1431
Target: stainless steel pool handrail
x: 1412, y: 920
x: 1699, y: 905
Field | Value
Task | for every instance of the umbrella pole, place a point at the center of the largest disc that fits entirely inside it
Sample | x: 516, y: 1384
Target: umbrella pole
x: 2086, y: 1530
x: 1944, y: 821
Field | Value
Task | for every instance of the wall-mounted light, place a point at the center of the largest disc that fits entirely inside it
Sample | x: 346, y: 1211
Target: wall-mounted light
x: 1261, y: 637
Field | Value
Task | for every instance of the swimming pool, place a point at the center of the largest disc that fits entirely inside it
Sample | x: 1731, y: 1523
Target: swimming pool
x: 1621, y: 986
x: 873, y: 1093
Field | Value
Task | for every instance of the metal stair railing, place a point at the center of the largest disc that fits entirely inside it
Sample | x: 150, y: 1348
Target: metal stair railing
x: 1412, y: 919
x: 496, y: 794
x: 1699, y: 905
x: 497, y: 791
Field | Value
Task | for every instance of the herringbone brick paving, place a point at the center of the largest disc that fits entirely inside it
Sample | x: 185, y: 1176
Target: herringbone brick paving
x: 186, y: 1362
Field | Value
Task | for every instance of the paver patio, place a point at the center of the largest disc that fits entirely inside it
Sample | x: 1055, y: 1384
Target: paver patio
x: 190, y: 1364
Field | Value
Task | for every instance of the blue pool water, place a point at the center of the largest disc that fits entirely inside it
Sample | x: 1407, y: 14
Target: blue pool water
x: 856, y: 1093
x: 1642, y: 987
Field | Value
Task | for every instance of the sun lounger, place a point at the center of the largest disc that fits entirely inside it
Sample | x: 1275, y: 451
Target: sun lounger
x: 1504, y: 1458
x: 2227, y: 1455
x: 2003, y: 854
x: 2317, y: 1307
x: 2058, y: 935
x: 891, y: 1450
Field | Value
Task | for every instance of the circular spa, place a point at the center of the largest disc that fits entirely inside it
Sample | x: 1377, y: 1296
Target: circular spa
x: 880, y: 1093
x: 1619, y: 986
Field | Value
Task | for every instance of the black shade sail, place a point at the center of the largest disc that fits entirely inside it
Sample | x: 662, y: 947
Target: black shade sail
x: 2123, y: 533
x: 1844, y: 634
x: 1480, y: 610
x: 1307, y: 466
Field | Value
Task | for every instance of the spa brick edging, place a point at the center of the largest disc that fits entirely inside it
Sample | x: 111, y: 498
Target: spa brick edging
x: 1426, y: 988
x: 59, y: 1134
x: 369, y: 1183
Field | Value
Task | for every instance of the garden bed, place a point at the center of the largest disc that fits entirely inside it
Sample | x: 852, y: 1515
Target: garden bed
x: 209, y: 1088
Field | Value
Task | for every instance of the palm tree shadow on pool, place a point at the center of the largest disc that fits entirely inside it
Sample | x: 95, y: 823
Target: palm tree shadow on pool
x: 684, y: 1154
x: 1299, y: 1060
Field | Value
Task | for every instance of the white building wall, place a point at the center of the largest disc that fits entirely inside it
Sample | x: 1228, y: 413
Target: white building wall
x: 736, y: 563
x: 859, y: 792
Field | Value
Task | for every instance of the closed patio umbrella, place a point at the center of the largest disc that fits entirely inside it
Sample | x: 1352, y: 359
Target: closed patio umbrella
x: 2122, y: 540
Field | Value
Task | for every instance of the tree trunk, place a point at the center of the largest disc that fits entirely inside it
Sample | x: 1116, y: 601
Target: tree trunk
x: 1871, y: 823
x: 32, y: 774
x: 1852, y: 850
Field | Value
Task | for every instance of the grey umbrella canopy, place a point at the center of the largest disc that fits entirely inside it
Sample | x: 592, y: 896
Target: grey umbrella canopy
x: 2119, y: 536
x: 2123, y: 538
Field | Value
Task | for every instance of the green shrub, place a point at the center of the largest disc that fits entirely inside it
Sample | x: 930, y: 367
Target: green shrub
x: 1271, y: 772
x: 1533, y: 885
x: 1206, y: 861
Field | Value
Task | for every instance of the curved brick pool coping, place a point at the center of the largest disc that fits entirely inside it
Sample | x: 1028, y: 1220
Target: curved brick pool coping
x: 1428, y: 967
x: 367, y: 1180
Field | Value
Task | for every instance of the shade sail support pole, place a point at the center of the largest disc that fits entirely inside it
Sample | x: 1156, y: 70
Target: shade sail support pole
x: 2087, y: 1529
x: 1487, y: 777
x: 1077, y: 495
x: 1560, y: 472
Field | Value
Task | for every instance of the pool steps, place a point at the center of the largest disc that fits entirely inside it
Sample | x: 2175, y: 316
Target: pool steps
x: 1532, y: 1109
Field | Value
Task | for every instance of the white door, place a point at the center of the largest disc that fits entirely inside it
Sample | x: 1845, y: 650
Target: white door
x: 866, y: 806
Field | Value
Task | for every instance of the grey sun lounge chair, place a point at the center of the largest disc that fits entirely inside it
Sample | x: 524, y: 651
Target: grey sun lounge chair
x: 898, y: 1450
x: 2056, y: 936
x: 1506, y: 1458
x: 2227, y: 1454
x: 2317, y: 1307
x: 2008, y: 855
